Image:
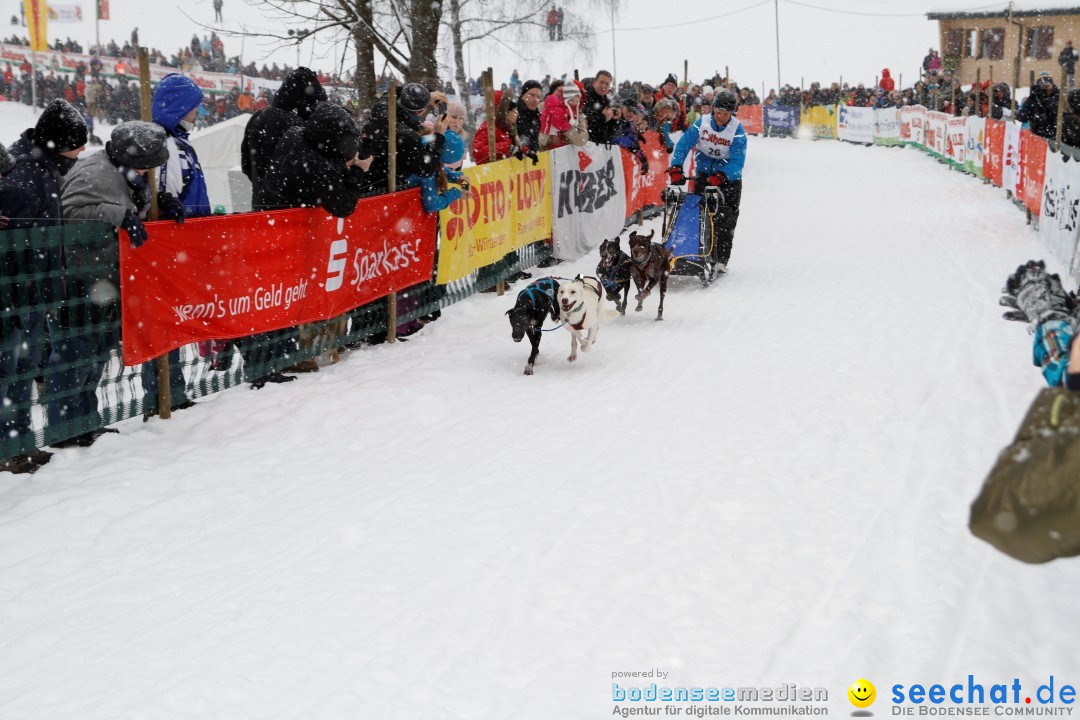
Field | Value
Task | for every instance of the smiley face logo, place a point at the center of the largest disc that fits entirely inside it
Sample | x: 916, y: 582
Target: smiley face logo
x: 862, y: 693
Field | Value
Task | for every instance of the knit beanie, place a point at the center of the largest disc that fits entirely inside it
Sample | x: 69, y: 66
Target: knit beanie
x: 530, y: 85
x: 138, y: 145
x: 61, y: 128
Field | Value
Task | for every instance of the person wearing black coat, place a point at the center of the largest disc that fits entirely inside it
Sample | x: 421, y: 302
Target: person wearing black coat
x: 317, y: 164
x: 1041, y: 107
x: 414, y: 157
x: 600, y: 116
x: 528, y: 119
x: 1000, y: 101
x: 293, y: 103
x: 30, y: 198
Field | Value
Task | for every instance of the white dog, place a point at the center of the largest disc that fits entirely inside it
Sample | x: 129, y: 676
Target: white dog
x: 581, y: 308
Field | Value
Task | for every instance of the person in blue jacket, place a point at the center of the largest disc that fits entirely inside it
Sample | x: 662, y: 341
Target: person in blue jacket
x: 719, y: 142
x: 182, y: 194
x: 431, y: 197
x: 175, y: 107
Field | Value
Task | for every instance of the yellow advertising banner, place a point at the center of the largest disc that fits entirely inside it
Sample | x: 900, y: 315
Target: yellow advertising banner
x: 821, y: 119
x: 507, y: 207
x: 37, y: 18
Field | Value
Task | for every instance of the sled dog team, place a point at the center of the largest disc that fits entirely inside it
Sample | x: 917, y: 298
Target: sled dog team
x: 580, y: 304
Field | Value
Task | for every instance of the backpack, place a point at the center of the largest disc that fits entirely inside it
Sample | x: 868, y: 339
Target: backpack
x: 1029, y: 506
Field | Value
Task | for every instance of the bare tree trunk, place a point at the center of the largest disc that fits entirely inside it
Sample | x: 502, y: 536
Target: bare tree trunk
x: 459, y: 61
x: 365, y: 56
x: 425, y: 17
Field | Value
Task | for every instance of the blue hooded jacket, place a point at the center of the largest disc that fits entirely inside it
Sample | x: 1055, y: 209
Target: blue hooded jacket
x: 430, y: 197
x: 174, y: 97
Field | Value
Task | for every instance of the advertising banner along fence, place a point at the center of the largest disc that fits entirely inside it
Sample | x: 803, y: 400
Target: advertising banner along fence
x: 507, y: 207
x: 975, y: 148
x: 1059, y: 216
x: 588, y: 198
x: 1032, y: 170
x: 752, y: 119
x: 995, y: 151
x: 644, y: 190
x: 913, y: 125
x: 234, y: 275
x: 855, y: 124
x: 887, y: 126
x: 781, y: 120
x: 956, y: 140
x: 821, y: 119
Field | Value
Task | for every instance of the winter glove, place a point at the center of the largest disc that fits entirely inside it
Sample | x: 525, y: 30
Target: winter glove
x: 464, y: 185
x: 517, y: 152
x: 531, y: 154
x: 134, y: 228
x: 1037, y: 296
x: 676, y: 174
x: 169, y: 208
x: 716, y: 180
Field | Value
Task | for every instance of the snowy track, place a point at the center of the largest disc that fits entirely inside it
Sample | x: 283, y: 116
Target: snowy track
x: 769, y: 486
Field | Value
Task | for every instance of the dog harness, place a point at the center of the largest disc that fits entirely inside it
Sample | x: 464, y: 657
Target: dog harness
x: 599, y: 295
x: 546, y: 287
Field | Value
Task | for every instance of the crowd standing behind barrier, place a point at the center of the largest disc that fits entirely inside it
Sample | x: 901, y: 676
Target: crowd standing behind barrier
x: 242, y: 298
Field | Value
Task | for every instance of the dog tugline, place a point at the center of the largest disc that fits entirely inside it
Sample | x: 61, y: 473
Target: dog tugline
x: 718, y: 141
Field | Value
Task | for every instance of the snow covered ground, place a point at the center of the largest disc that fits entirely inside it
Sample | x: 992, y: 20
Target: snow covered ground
x: 771, y: 486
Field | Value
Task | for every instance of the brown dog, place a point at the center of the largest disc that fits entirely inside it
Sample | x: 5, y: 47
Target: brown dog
x: 650, y: 264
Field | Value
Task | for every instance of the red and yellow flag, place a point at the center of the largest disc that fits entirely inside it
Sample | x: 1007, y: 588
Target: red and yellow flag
x: 37, y: 24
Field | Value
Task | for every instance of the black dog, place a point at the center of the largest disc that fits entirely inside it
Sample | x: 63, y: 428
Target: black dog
x: 534, y: 303
x: 650, y: 264
x: 614, y: 271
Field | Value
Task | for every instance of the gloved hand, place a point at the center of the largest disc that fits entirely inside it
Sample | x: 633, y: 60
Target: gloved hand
x: 531, y: 154
x: 140, y: 190
x: 169, y: 207
x: 517, y: 152
x: 1036, y: 295
x: 464, y: 185
x: 676, y: 174
x: 134, y: 228
x: 716, y: 180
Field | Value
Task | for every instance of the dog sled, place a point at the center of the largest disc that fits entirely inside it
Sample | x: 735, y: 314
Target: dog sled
x: 687, y: 231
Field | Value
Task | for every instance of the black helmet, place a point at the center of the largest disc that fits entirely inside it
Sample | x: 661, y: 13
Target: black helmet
x: 414, y: 97
x: 725, y: 100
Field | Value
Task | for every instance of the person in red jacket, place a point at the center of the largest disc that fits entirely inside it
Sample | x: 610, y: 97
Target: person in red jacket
x: 887, y: 83
x: 506, y: 143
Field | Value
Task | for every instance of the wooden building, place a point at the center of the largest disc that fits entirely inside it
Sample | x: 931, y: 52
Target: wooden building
x: 972, y: 41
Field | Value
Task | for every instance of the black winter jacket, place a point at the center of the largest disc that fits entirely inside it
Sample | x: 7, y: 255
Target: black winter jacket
x: 294, y: 102
x: 30, y: 198
x: 413, y: 156
x: 309, y: 165
x: 600, y: 130
x: 528, y: 126
x: 1040, y: 111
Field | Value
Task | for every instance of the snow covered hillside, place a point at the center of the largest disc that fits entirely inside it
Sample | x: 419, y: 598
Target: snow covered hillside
x: 771, y: 486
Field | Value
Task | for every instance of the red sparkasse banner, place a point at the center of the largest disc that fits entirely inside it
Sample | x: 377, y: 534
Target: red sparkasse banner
x: 752, y: 118
x: 995, y: 151
x: 645, y: 190
x: 1032, y: 170
x: 228, y: 276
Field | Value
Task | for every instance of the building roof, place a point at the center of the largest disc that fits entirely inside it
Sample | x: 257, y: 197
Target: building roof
x: 950, y: 9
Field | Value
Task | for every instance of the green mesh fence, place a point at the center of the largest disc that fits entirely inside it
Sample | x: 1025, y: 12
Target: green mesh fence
x: 60, y: 369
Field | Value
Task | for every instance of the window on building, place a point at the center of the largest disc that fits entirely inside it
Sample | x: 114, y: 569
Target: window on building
x: 1038, y: 42
x: 971, y: 43
x: 954, y: 43
x: 993, y: 44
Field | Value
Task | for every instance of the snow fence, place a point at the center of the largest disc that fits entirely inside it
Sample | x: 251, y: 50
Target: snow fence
x: 231, y: 298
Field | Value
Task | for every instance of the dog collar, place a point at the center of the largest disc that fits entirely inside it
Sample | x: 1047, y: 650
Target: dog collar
x: 580, y: 305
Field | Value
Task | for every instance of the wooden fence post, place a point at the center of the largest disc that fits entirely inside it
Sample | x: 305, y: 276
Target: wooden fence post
x: 146, y: 96
x: 391, y: 181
